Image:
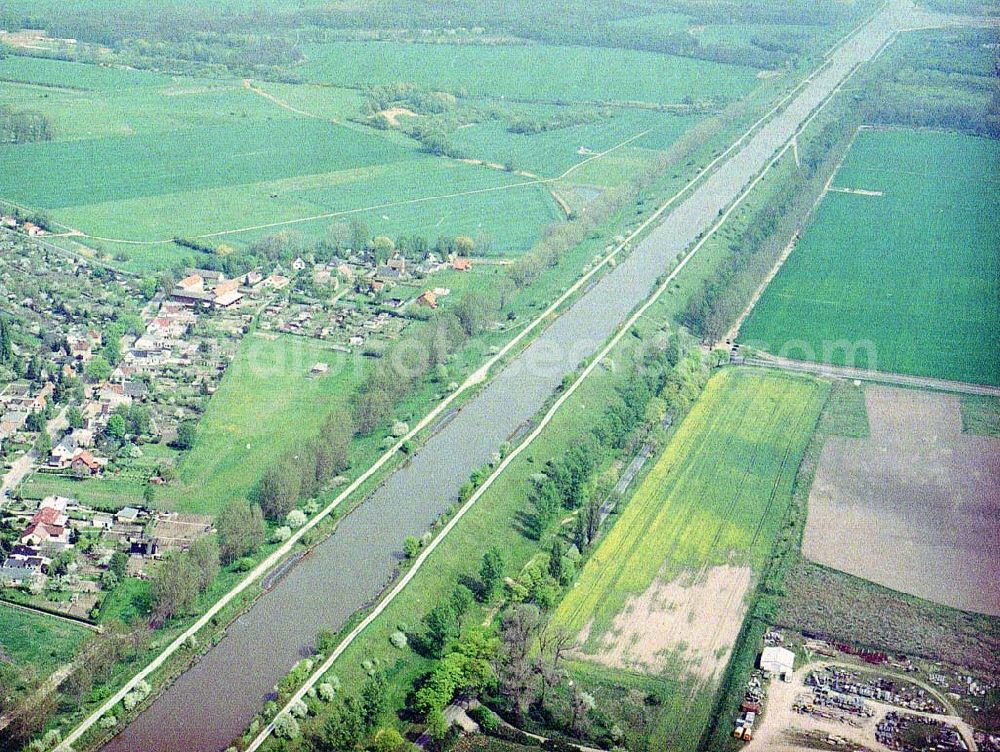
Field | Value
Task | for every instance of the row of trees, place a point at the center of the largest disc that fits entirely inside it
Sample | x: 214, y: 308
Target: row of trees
x: 519, y: 666
x: 94, y: 662
x: 305, y: 469
x: 181, y: 577
x: 723, y: 295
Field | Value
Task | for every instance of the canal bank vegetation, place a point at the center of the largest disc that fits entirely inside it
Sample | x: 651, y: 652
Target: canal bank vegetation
x: 432, y: 640
x: 757, y: 234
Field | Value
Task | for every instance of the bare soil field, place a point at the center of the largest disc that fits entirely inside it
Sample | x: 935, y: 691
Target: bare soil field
x: 691, y: 623
x: 915, y: 506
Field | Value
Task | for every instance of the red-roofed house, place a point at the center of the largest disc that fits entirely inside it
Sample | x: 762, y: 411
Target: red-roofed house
x: 49, y: 516
x: 428, y: 299
x: 225, y: 286
x: 38, y: 533
x: 461, y: 265
x: 84, y: 461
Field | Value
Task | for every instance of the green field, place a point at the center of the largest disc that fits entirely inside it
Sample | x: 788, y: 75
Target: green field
x: 716, y: 496
x: 78, y: 76
x: 138, y: 158
x: 182, y: 103
x: 266, y: 403
x: 263, y: 176
x: 905, y: 281
x: 551, y: 153
x: 111, y: 491
x: 528, y: 72
x: 718, y: 491
x: 667, y: 22
x: 174, y: 156
x: 104, y: 493
x: 742, y: 35
x: 36, y: 644
x: 125, y: 168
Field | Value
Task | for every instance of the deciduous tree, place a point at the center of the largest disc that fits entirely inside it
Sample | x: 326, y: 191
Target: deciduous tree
x: 241, y: 530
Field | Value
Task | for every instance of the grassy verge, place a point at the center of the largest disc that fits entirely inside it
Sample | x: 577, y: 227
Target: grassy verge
x: 981, y: 415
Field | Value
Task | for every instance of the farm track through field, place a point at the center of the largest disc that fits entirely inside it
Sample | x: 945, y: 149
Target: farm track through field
x: 880, y: 377
x: 374, y: 207
x: 248, y: 85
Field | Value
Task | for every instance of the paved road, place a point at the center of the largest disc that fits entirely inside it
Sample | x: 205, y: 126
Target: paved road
x: 18, y: 470
x: 214, y: 700
x: 23, y: 465
x: 861, y: 374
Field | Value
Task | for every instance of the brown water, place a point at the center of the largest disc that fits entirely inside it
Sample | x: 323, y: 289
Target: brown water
x: 213, y: 702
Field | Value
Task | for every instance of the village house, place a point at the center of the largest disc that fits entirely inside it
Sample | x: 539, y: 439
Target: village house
x: 23, y: 564
x: 84, y: 463
x: 461, y: 265
x: 62, y: 453
x: 113, y: 395
x: 14, y: 420
x: 228, y: 298
x: 226, y: 285
x: 299, y: 264
x: 387, y: 274
x: 371, y: 285
x: 322, y: 277
x: 274, y: 282
x: 48, y: 526
x: 204, y: 286
x: 192, y: 283
x: 128, y: 515
x: 428, y: 299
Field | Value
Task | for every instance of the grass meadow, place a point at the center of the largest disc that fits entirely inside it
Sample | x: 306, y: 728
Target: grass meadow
x: 120, y: 168
x: 265, y: 404
x: 531, y: 72
x: 551, y: 153
x: 138, y: 158
x: 907, y: 277
x: 178, y: 104
x: 35, y: 643
x: 421, y: 194
x: 75, y: 76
